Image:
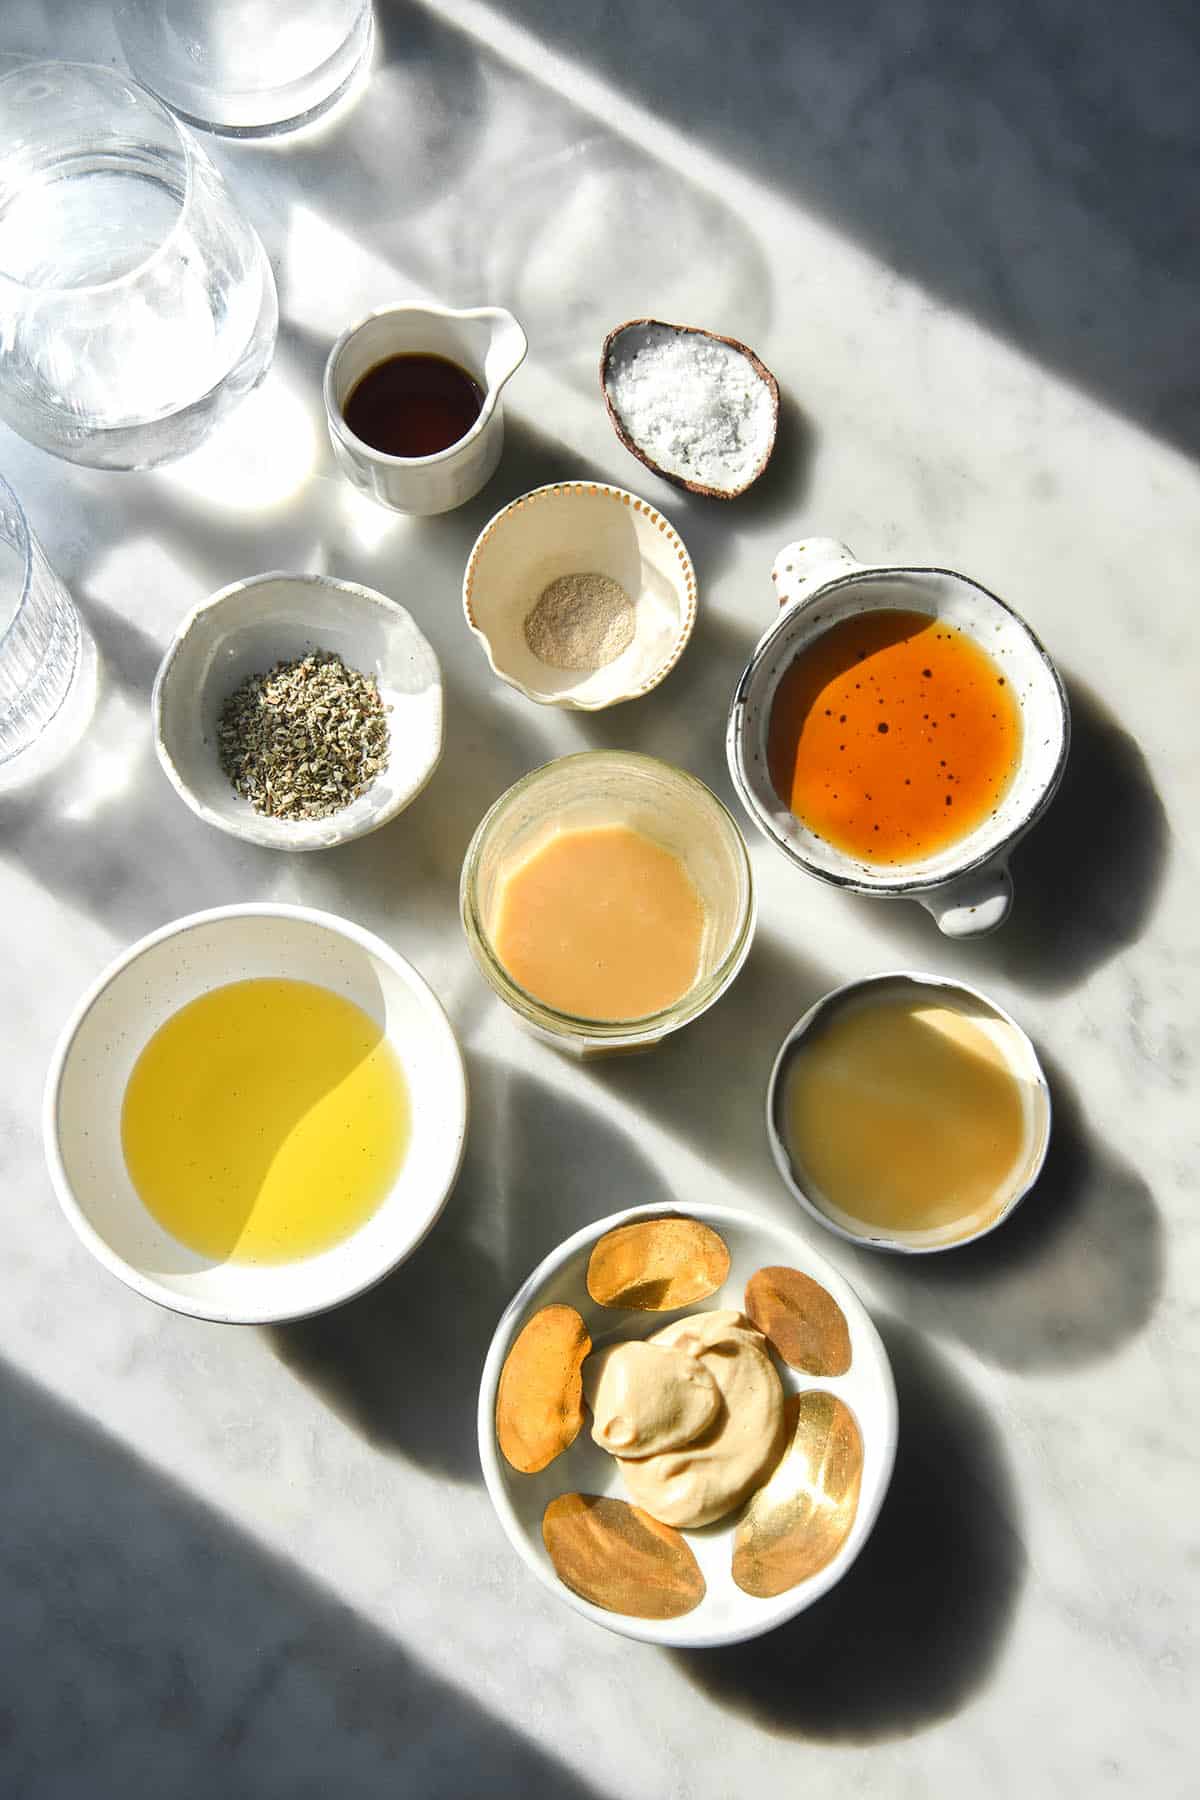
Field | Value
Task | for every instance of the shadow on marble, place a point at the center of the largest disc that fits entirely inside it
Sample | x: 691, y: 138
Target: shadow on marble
x: 1073, y: 1276
x: 410, y: 869
x: 577, y: 229
x: 539, y: 1166
x: 507, y: 190
x: 708, y: 1084
x: 915, y: 1627
x: 71, y: 831
x: 425, y: 104
x: 688, y: 726
x: 161, y: 1650
x: 1086, y: 878
x: 1034, y: 176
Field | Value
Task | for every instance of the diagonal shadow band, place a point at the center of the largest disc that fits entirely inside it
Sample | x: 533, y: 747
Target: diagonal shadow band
x: 151, y: 1634
x: 915, y: 1626
x: 403, y: 1363
x: 1071, y: 1277
x: 1030, y: 177
x: 1087, y: 876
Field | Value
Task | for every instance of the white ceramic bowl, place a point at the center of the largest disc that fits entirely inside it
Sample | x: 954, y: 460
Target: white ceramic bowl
x: 1015, y: 1046
x: 121, y: 1011
x: 726, y: 1615
x: 580, y: 527
x: 244, y: 630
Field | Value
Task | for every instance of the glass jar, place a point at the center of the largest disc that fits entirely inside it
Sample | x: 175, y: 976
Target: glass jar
x: 598, y: 788
x: 248, y: 68
x: 39, y: 633
x: 136, y: 303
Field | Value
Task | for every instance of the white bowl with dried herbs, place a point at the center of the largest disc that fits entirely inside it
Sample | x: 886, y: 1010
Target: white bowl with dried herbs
x: 581, y: 595
x: 298, y: 711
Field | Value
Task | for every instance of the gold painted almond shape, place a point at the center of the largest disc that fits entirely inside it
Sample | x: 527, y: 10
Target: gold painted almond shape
x: 800, y: 1319
x: 539, y: 1402
x: 657, y: 1265
x: 800, y: 1519
x: 618, y: 1557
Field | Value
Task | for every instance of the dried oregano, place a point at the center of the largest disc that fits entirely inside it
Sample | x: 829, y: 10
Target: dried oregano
x: 305, y: 739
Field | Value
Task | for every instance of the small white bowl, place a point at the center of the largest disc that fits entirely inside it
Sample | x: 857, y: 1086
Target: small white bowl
x: 1015, y: 1045
x: 580, y: 527
x: 247, y: 628
x: 726, y: 1615
x: 85, y: 1087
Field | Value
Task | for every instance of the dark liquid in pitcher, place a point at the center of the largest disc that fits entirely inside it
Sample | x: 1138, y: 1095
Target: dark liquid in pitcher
x: 413, y: 405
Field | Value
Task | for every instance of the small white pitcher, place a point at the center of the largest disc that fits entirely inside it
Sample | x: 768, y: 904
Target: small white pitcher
x: 486, y: 341
x: 966, y: 885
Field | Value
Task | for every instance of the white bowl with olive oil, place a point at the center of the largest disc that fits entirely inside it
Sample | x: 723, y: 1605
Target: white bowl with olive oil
x: 255, y: 1113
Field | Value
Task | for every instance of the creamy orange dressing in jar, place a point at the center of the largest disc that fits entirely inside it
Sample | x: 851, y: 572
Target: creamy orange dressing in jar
x: 600, y: 922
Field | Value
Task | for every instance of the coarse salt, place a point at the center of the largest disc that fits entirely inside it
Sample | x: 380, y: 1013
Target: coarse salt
x: 697, y: 407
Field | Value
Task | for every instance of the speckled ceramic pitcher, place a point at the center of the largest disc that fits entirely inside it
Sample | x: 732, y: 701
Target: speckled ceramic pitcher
x: 966, y: 885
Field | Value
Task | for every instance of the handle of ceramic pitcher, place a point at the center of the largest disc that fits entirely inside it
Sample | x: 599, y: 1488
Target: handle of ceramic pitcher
x: 970, y: 905
x: 810, y: 563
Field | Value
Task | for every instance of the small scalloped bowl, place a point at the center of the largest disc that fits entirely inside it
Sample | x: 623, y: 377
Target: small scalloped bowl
x: 580, y: 527
x: 726, y: 1615
x: 245, y: 629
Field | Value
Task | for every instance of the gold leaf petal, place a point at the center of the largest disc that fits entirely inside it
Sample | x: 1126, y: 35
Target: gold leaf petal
x: 657, y: 1265
x: 803, y: 1322
x: 539, y: 1400
x: 618, y: 1557
x: 800, y: 1519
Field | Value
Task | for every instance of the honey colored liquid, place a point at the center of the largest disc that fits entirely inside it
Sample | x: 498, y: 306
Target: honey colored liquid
x: 601, y: 923
x: 265, y: 1121
x: 905, y: 1118
x: 893, y: 735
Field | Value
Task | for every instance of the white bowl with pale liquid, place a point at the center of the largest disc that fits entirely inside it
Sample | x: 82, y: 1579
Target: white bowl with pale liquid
x: 146, y: 986
x: 847, y: 1117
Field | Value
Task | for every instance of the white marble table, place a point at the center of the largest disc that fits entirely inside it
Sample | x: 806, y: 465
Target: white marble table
x: 262, y: 1562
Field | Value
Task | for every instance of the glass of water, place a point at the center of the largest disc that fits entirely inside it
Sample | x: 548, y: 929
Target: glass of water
x: 39, y: 633
x: 136, y: 303
x: 248, y: 68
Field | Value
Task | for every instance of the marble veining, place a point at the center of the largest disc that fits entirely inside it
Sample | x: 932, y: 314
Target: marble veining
x: 263, y: 1562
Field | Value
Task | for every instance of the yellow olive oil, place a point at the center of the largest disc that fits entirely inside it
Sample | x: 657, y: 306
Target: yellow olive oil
x: 265, y: 1121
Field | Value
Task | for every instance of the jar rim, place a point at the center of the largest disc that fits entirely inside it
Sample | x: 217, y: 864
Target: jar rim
x: 539, y: 1012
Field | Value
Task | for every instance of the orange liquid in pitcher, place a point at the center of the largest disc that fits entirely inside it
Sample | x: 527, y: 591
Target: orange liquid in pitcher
x: 892, y: 735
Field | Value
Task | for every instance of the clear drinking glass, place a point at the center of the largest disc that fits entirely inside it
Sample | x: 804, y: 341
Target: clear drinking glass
x: 248, y: 68
x: 136, y: 304
x: 39, y: 633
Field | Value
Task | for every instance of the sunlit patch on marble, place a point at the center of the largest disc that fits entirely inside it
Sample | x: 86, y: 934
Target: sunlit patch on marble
x: 657, y: 1265
x: 317, y: 133
x: 539, y: 1402
x: 309, y: 299
x: 367, y: 522
x: 118, y: 736
x: 796, y: 1524
x: 257, y: 459
x: 801, y: 1319
x: 618, y: 1557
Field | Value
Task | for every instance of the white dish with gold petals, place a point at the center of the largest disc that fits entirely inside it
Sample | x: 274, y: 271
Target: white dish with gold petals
x: 576, y: 528
x: 725, y: 1614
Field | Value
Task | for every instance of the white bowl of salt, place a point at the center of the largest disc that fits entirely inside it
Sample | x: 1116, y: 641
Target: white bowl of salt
x: 581, y: 595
